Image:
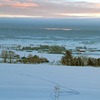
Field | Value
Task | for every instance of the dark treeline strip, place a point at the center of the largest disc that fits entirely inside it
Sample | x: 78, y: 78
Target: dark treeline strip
x: 46, y: 48
x: 69, y: 60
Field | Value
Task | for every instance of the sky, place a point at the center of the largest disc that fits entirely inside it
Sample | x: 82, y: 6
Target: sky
x: 50, y: 8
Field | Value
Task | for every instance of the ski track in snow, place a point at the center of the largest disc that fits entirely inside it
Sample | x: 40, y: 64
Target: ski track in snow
x: 63, y: 91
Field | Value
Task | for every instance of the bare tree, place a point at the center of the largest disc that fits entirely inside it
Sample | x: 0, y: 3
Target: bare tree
x: 4, y: 55
x: 11, y: 55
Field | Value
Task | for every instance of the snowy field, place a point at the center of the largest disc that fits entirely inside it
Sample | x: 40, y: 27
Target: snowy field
x: 68, y: 43
x: 38, y: 82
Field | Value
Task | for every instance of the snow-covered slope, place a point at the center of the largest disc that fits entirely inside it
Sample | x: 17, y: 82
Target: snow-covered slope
x: 40, y: 82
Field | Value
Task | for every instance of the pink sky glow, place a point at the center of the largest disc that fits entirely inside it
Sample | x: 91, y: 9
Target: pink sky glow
x: 49, y: 8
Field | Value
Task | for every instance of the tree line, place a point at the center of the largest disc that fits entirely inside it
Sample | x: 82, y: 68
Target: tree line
x: 12, y: 57
x: 69, y: 60
x: 46, y: 48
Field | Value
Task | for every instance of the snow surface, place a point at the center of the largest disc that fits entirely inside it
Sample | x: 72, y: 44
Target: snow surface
x: 37, y: 82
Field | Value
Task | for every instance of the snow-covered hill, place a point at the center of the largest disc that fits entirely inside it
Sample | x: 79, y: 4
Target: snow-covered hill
x: 48, y: 82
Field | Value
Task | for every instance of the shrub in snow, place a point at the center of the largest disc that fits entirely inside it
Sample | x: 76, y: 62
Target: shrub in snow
x: 33, y: 59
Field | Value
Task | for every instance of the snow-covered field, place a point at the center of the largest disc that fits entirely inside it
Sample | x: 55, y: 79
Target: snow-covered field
x: 38, y: 82
x: 68, y: 43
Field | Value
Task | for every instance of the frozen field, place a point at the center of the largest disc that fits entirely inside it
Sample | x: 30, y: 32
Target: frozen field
x: 37, y: 82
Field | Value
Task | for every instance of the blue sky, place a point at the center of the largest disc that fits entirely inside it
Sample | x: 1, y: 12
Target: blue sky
x: 50, y: 8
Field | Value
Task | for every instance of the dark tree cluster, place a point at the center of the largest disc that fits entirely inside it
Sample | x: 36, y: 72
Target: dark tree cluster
x: 33, y: 60
x: 57, y: 50
x: 93, y: 62
x: 69, y: 60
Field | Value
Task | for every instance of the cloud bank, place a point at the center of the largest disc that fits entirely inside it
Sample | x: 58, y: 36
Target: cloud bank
x: 49, y: 8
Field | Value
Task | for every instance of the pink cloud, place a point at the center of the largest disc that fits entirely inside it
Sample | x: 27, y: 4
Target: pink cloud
x: 96, y: 5
x: 18, y: 4
x: 24, y: 5
x: 1, y: 4
x: 49, y: 8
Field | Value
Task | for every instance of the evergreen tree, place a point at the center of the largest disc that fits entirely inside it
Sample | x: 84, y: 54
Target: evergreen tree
x: 98, y: 61
x: 80, y: 62
x: 67, y: 58
x: 91, y: 62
